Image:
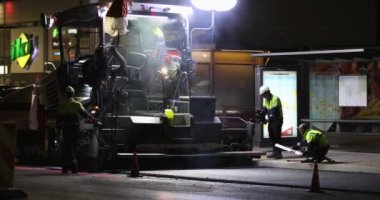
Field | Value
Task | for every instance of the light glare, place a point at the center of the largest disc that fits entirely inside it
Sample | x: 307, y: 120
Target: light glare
x: 215, y: 5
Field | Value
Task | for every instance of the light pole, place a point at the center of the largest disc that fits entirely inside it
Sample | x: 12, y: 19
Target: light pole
x: 213, y: 6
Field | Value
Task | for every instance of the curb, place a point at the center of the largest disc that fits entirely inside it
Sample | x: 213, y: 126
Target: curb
x: 252, y: 183
x: 338, y: 167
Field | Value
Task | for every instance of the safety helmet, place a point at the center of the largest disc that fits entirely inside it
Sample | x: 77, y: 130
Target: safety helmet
x: 263, y: 89
x: 303, y: 126
x: 69, y: 91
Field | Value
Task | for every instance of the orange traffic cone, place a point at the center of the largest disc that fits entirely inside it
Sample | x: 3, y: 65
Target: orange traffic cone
x: 315, y: 180
x: 135, y: 172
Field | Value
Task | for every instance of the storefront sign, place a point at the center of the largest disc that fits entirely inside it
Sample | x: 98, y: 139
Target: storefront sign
x: 23, y: 50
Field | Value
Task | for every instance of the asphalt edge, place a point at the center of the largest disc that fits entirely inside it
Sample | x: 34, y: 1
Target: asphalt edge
x: 252, y: 183
x: 337, y: 167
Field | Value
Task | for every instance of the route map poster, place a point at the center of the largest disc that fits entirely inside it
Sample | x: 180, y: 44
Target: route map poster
x: 284, y: 85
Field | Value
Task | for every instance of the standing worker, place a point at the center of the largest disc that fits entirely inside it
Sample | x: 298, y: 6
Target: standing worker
x: 272, y: 108
x: 314, y: 144
x: 68, y: 121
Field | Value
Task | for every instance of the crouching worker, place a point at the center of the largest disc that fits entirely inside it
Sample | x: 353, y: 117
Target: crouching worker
x: 314, y: 144
x: 68, y: 121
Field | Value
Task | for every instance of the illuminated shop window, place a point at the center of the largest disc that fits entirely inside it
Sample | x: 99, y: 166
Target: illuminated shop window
x: 3, y: 69
x: 2, y: 16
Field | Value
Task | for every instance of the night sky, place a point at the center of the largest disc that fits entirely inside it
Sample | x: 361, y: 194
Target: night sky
x: 291, y: 24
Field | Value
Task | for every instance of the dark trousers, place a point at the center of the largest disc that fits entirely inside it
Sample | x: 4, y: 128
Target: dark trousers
x: 70, y: 143
x: 274, y: 130
x: 317, y: 152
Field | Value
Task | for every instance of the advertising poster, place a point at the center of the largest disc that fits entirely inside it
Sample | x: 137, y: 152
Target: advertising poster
x: 324, y: 99
x: 353, y: 91
x: 284, y: 85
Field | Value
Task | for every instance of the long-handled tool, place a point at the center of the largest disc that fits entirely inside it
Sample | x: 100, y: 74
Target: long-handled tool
x: 329, y: 160
x: 288, y: 149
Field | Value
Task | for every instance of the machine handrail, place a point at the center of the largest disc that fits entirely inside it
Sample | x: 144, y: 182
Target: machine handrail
x: 177, y: 87
x: 224, y: 120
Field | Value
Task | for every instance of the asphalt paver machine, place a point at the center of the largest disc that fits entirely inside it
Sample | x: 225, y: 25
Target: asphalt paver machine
x: 132, y: 73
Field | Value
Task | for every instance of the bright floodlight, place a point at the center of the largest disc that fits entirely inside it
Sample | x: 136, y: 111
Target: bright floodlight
x: 215, y: 5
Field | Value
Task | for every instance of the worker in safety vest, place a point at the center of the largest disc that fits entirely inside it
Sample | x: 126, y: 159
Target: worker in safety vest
x: 144, y: 37
x: 68, y: 121
x: 272, y: 108
x: 314, y: 144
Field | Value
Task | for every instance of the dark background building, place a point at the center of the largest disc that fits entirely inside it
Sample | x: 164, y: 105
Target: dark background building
x: 293, y: 24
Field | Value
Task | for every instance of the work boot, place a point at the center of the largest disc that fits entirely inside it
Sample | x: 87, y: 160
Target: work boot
x: 274, y: 153
x: 271, y: 155
x: 278, y: 156
x: 307, y: 160
x: 275, y: 156
x: 277, y: 153
x: 329, y: 160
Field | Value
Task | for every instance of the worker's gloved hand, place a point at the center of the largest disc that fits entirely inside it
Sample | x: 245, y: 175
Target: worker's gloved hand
x: 92, y: 119
x: 260, y: 116
x: 95, y: 121
x: 296, y: 147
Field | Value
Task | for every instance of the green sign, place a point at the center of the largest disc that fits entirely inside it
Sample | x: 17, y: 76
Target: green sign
x: 22, y: 50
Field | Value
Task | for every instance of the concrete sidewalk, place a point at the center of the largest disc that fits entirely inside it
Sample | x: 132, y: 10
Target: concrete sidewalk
x: 345, y: 161
x: 352, y: 152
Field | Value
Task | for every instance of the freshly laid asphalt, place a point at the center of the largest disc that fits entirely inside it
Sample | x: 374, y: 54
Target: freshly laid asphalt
x: 361, y: 172
x: 352, y: 172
